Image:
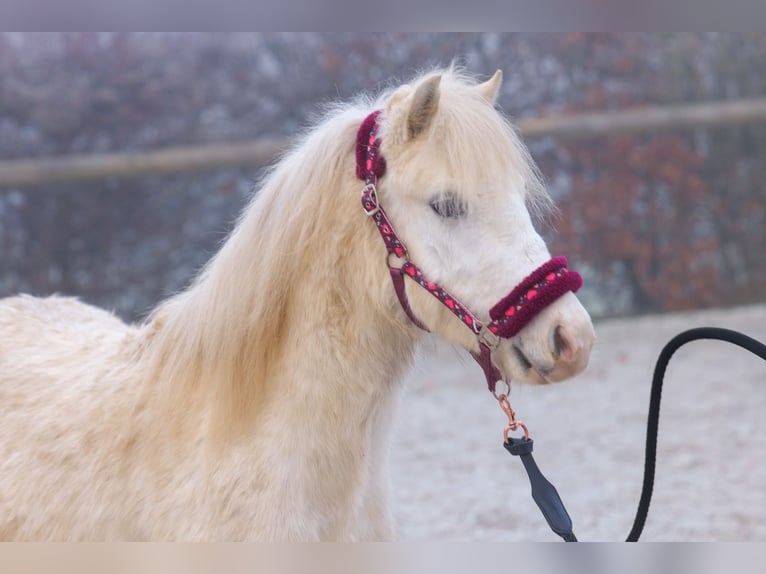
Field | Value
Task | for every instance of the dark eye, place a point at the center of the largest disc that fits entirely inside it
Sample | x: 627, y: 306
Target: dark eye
x: 448, y: 205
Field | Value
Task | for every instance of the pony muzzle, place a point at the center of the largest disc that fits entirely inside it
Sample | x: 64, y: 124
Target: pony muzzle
x: 538, y: 291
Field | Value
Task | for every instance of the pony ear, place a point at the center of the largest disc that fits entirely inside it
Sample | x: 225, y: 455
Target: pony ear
x: 425, y: 100
x: 398, y: 96
x: 491, y: 87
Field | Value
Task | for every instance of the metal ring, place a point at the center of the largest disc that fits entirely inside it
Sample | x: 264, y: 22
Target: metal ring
x: 507, y: 390
x: 400, y: 260
x: 514, y: 427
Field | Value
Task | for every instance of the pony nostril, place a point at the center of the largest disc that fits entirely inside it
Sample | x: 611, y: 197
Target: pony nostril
x: 562, y: 345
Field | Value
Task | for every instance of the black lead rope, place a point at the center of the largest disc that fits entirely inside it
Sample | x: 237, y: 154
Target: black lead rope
x: 545, y: 494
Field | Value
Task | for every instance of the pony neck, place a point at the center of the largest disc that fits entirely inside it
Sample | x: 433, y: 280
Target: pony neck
x: 296, y: 304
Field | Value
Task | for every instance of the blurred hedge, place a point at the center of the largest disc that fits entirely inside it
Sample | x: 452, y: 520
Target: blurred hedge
x: 124, y: 244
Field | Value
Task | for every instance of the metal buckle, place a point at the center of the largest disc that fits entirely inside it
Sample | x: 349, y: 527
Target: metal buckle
x: 370, y: 191
x: 488, y: 338
x: 399, y: 261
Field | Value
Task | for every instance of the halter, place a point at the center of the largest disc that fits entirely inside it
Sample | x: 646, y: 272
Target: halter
x: 507, y: 317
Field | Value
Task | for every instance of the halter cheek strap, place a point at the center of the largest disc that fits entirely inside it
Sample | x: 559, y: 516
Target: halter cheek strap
x: 509, y: 316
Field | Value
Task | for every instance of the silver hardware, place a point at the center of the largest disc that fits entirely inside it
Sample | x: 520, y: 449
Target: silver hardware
x: 507, y: 390
x: 488, y: 338
x: 372, y: 192
x: 399, y: 261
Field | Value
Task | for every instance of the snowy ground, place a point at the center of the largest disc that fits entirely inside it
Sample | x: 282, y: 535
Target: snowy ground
x: 452, y: 480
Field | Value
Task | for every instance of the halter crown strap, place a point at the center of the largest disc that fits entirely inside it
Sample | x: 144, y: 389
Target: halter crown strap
x: 509, y: 316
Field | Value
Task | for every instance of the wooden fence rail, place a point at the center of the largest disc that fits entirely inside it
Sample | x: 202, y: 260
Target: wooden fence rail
x: 81, y: 168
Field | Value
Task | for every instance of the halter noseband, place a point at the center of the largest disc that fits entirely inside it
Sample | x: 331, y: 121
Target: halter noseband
x: 509, y: 316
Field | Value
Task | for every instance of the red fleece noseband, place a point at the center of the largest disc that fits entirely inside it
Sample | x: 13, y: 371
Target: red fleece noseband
x: 541, y: 288
x: 368, y: 160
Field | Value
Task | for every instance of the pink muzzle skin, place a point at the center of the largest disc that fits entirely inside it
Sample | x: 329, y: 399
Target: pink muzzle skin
x: 507, y: 317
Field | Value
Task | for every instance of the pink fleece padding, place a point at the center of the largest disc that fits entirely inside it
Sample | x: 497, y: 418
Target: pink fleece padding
x: 365, y: 138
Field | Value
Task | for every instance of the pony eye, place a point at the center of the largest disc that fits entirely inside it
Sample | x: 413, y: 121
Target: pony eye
x: 449, y: 206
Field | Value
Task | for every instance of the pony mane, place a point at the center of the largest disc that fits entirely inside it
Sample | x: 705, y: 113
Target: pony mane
x: 229, y: 327
x: 226, y: 334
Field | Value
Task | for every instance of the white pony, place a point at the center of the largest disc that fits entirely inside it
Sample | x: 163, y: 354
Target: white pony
x: 257, y: 403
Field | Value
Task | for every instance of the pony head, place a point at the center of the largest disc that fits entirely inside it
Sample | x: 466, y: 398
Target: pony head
x: 461, y: 190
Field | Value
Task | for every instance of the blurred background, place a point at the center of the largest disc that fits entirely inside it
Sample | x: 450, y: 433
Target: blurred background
x: 661, y: 220
x: 663, y: 211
